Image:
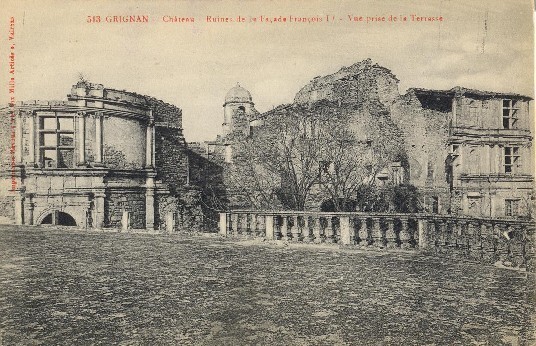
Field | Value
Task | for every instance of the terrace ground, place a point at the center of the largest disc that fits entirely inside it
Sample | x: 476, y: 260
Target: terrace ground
x: 73, y: 287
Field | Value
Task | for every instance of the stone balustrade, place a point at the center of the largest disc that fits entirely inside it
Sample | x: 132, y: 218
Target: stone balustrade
x: 488, y: 240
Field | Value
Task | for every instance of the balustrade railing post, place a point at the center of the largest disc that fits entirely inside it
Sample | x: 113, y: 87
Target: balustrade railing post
x: 223, y: 224
x: 346, y: 232
x: 269, y: 227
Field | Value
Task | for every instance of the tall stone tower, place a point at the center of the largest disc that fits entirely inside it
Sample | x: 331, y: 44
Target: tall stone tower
x: 238, y: 110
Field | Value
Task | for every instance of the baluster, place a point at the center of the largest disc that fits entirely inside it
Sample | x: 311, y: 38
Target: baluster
x: 491, y: 249
x: 260, y: 221
x: 390, y: 235
x: 440, y: 236
x: 471, y: 230
x: 449, y: 236
x: 306, y: 231
x: 432, y: 234
x: 295, y: 228
x: 284, y: 228
x: 423, y: 234
x: 405, y: 236
x: 247, y: 224
x: 414, y: 231
x: 317, y: 229
x: 363, y: 232
x: 463, y: 235
x: 377, y: 236
x: 234, y: 224
x: 328, y: 229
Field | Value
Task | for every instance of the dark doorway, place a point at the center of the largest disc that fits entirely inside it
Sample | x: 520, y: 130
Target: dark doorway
x: 58, y: 218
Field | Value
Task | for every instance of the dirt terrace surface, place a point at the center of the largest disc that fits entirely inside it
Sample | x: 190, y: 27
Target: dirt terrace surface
x: 76, y: 288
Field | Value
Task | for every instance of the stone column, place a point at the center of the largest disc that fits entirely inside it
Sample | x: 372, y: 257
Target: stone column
x: 30, y: 216
x: 31, y: 138
x: 223, y: 224
x: 81, y: 138
x: 98, y: 138
x: 19, y: 208
x: 99, y: 210
x: 149, y: 204
x: 390, y: 235
x: 422, y: 225
x: 269, y: 224
x: 149, y: 145
x: 346, y: 234
x: 18, y: 138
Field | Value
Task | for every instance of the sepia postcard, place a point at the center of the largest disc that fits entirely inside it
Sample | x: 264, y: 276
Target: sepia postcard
x: 226, y: 172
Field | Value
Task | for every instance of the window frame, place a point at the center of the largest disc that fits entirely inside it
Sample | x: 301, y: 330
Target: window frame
x: 511, y: 207
x: 511, y: 159
x: 57, y: 131
x: 509, y: 114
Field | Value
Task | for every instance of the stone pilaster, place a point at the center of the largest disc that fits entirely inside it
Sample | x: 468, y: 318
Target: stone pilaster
x: 149, y: 204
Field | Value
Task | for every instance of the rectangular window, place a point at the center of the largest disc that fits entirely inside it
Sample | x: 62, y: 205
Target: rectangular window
x: 510, y: 114
x: 511, y: 207
x: 512, y: 162
x: 56, y: 141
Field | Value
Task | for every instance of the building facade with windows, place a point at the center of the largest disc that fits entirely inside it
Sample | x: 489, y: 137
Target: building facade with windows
x: 482, y: 163
x: 102, y: 158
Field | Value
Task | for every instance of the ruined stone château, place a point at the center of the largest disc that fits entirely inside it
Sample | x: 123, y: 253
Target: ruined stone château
x: 103, y: 158
x: 468, y: 152
x: 110, y: 158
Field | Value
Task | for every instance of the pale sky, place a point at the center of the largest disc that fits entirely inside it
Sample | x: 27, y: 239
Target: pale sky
x: 486, y: 45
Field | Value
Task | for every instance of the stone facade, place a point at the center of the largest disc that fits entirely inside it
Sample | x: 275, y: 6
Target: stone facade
x: 468, y: 152
x: 471, y: 151
x: 103, y: 158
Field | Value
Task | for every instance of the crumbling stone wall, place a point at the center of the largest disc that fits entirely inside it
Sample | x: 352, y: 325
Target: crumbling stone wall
x: 116, y: 202
x: 171, y: 158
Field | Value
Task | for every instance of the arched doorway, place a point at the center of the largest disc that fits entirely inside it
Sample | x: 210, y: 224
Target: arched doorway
x: 58, y: 218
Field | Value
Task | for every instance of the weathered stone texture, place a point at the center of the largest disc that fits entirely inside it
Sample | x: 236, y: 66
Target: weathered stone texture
x: 118, y: 202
